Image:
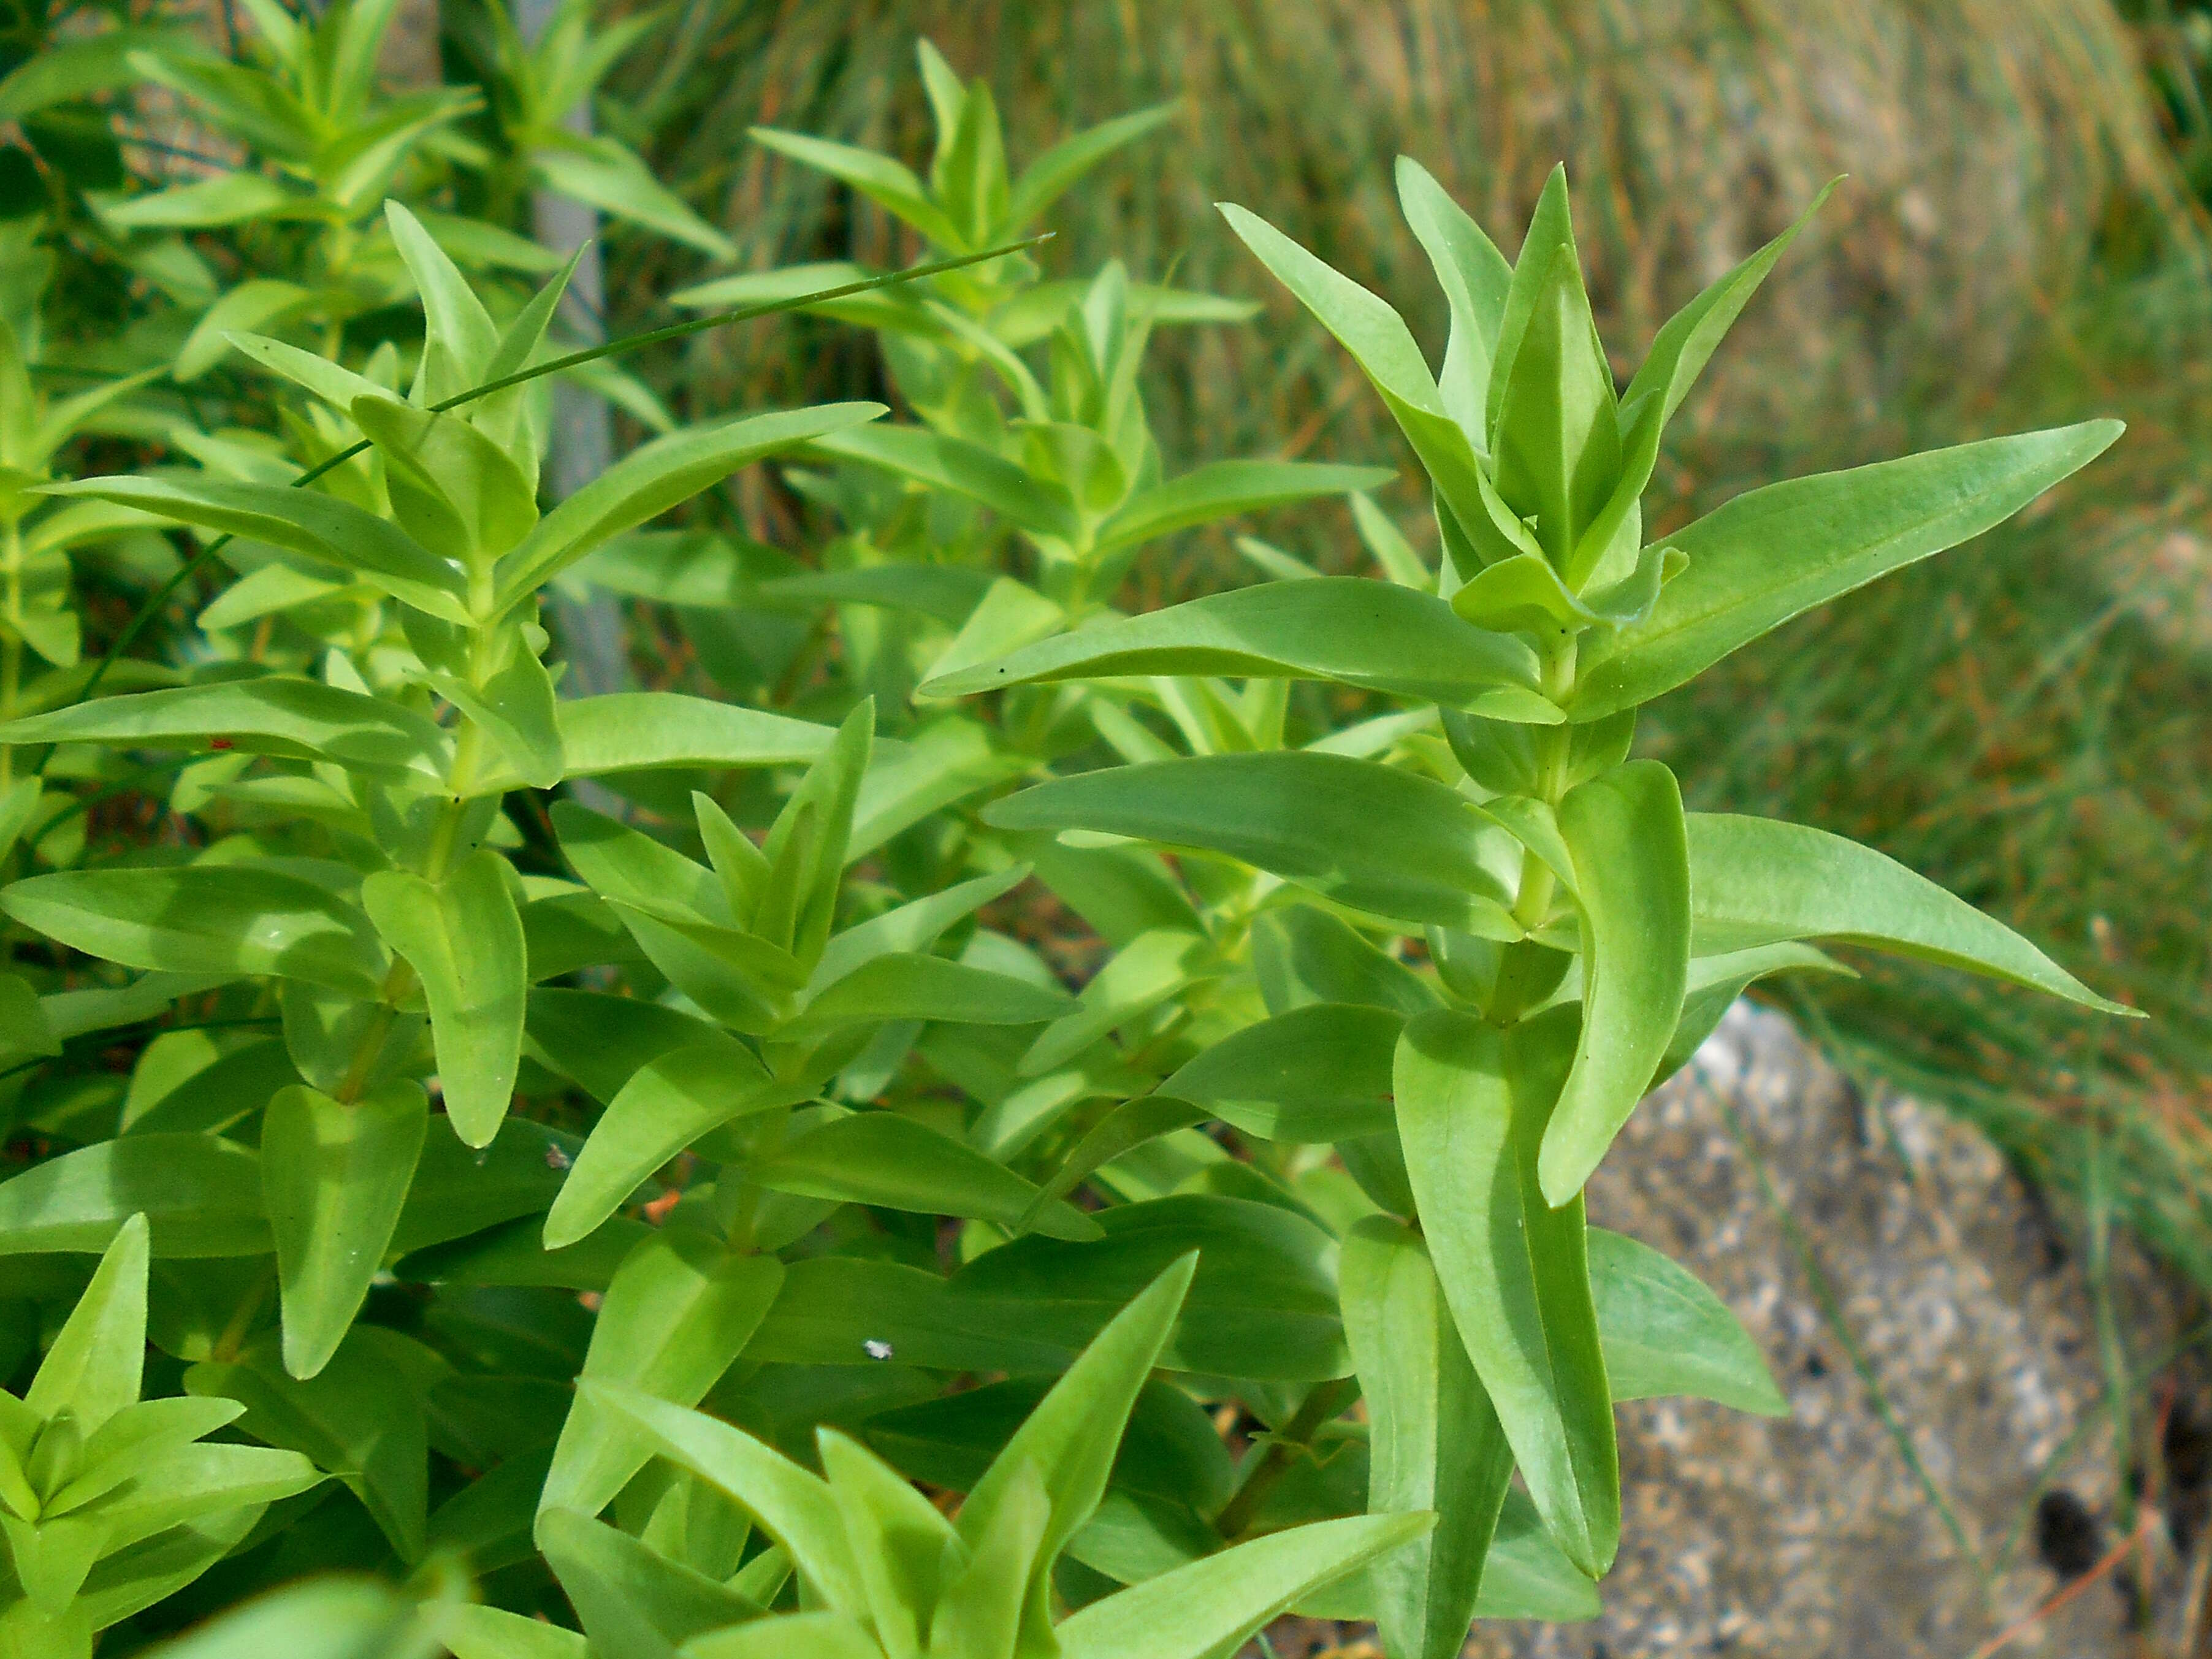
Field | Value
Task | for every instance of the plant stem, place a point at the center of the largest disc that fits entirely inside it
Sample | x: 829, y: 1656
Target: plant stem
x: 1321, y: 1408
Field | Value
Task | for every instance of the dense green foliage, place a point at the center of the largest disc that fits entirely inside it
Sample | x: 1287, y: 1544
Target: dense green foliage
x: 621, y: 1166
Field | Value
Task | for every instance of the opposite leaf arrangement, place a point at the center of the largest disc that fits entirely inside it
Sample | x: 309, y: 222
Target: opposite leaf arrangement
x: 785, y: 1193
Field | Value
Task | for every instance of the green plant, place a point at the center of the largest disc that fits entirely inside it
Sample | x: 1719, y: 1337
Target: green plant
x: 111, y: 1502
x: 1181, y: 1158
x: 1586, y: 932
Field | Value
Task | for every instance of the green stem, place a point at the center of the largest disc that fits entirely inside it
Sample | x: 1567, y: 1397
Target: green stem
x: 11, y: 649
x: 1320, y: 1409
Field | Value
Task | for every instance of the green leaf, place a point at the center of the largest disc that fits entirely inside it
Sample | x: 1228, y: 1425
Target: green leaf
x: 1361, y: 834
x: 1665, y: 1333
x: 817, y: 1635
x: 1558, y: 433
x: 667, y: 1104
x: 204, y: 918
x: 899, y: 1162
x: 459, y: 333
x: 1435, y: 1443
x: 93, y: 1367
x: 1071, y: 1438
x: 459, y: 1190
x: 1127, y: 1127
x: 474, y: 1631
x: 451, y: 485
x: 901, y: 985
x: 792, y: 1507
x: 334, y: 1176
x: 1716, y: 981
x: 912, y: 927
x: 1472, y: 1106
x: 333, y: 1617
x: 640, y: 731
x: 1624, y: 830
x: 1679, y: 354
x: 361, y: 1416
x: 1147, y: 971
x: 1262, y: 1304
x: 631, y: 1600
x: 318, y: 527
x: 983, y: 1609
x: 1756, y: 881
x: 889, y: 184
x: 1224, y: 490
x: 1050, y: 175
x: 648, y: 482
x: 297, y: 719
x: 1770, y: 554
x: 1348, y: 629
x: 1315, y: 1074
x: 680, y: 1309
x: 614, y: 178
x: 1474, y: 276
x: 463, y: 936
x: 940, y: 461
x: 901, y: 1544
x: 201, y: 1195
x: 1210, y: 1607
x: 1379, y: 342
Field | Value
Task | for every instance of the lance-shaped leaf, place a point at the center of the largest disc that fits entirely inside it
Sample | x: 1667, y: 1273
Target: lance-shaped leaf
x: 640, y: 731
x: 1223, y: 489
x: 361, y: 1418
x: 889, y: 184
x: 1475, y: 278
x: 450, y: 484
x: 1072, y: 1436
x: 881, y: 1157
x: 1378, y: 340
x: 1550, y: 231
x: 334, y: 1177
x: 1756, y: 881
x: 1047, y: 179
x: 463, y: 936
x: 631, y: 1599
x: 205, y: 918
x: 1759, y: 560
x: 792, y: 1507
x: 649, y: 480
x: 1434, y: 1440
x: 201, y: 1195
x: 940, y: 461
x: 96, y: 1362
x: 667, y: 1105
x: 1362, y: 834
x: 901, y: 985
x: 1557, y: 434
x: 1142, y: 974
x: 1315, y: 1074
x: 1211, y: 1605
x: 304, y: 521
x: 1679, y: 353
x: 1472, y: 1107
x: 1665, y: 1333
x: 298, y: 718
x: 680, y: 1309
x: 1631, y: 884
x: 1374, y: 634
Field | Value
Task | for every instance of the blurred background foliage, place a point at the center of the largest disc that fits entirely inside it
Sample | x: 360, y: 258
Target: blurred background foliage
x: 2023, y: 239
